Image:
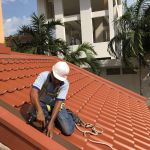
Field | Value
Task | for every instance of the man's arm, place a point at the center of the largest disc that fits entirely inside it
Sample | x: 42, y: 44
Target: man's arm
x: 35, y: 100
x: 60, y: 98
x: 53, y: 117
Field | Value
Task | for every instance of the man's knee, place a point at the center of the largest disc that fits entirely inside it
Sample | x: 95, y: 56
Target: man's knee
x: 65, y: 123
x: 67, y: 127
x: 68, y: 131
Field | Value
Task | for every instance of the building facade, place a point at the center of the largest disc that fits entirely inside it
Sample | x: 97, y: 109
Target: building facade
x: 84, y: 21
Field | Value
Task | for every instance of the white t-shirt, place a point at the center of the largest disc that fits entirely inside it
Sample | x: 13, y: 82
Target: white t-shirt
x: 63, y: 90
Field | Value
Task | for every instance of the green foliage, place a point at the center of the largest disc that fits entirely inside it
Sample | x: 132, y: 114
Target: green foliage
x: 41, y: 32
x: 131, y: 33
x: 43, y: 41
x: 83, y: 56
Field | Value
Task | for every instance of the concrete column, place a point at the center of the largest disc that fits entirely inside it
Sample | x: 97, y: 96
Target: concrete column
x: 111, y: 18
x: 1, y: 24
x: 86, y: 21
x: 58, y: 11
x: 41, y: 7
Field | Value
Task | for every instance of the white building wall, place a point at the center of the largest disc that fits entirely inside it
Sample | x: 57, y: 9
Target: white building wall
x: 86, y: 15
x: 86, y: 21
x: 58, y: 11
x: 111, y: 18
x: 101, y: 49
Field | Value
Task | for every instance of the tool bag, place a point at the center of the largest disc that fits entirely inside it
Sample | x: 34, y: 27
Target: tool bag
x: 27, y: 110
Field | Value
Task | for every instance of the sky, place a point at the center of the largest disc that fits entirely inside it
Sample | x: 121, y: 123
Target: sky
x: 17, y: 13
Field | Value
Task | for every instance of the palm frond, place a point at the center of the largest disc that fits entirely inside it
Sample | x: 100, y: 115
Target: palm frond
x: 51, y: 24
x: 25, y: 29
x: 38, y: 23
x: 42, y: 34
x: 130, y: 32
x: 137, y: 7
x: 85, y: 49
x: 116, y: 42
x: 58, y: 46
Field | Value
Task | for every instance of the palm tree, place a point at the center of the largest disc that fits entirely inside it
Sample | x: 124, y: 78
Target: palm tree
x: 59, y: 47
x: 128, y: 41
x: 41, y: 32
x: 146, y: 28
x: 43, y: 41
x: 82, y: 56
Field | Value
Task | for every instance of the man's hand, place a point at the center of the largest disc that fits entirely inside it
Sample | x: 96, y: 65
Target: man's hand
x: 41, y: 118
x: 35, y: 100
x: 50, y: 129
x: 53, y: 117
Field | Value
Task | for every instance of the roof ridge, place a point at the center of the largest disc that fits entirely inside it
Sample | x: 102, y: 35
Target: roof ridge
x: 92, y: 75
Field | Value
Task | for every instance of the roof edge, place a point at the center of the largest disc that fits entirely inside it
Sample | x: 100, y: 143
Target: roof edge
x: 23, y: 135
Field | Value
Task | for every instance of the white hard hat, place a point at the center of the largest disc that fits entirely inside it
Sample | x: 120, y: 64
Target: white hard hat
x: 60, y: 70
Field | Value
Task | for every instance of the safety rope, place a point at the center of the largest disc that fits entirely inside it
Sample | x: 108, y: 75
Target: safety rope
x: 79, y: 123
x: 93, y: 131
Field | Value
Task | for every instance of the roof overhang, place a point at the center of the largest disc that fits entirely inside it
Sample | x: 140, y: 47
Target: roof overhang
x: 16, y: 134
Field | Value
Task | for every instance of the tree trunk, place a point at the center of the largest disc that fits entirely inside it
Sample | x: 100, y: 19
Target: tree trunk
x: 140, y: 75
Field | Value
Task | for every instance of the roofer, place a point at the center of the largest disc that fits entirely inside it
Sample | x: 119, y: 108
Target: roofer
x: 50, y: 103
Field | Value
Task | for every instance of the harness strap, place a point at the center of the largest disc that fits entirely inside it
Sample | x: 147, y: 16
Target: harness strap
x: 49, y: 107
x: 44, y: 87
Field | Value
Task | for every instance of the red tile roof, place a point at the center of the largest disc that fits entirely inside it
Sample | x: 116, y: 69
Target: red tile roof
x: 24, y: 137
x: 4, y: 50
x: 122, y: 114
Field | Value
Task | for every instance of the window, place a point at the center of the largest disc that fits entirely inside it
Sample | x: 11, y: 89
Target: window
x: 71, y: 7
x: 50, y: 9
x: 128, y: 71
x: 73, y: 32
x: 98, y: 5
x: 113, y: 71
x: 100, y: 29
x: 118, y: 2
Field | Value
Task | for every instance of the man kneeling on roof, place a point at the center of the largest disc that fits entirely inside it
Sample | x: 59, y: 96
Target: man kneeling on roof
x: 48, y: 95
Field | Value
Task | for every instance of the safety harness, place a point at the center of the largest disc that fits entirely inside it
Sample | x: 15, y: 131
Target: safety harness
x: 43, y: 92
